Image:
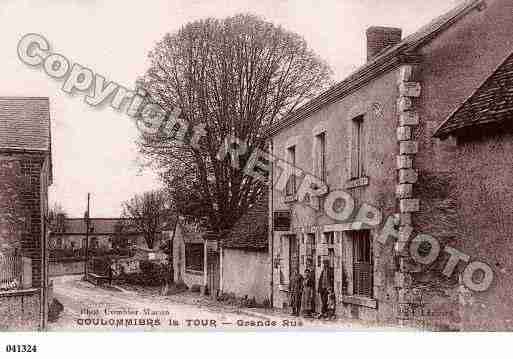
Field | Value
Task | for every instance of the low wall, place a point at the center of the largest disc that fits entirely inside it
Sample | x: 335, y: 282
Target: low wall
x: 65, y: 268
x: 246, y: 274
x: 20, y: 310
x: 191, y: 278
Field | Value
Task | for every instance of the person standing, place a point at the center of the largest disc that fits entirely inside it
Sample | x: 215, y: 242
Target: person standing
x: 326, y: 284
x: 308, y: 294
x: 296, y: 292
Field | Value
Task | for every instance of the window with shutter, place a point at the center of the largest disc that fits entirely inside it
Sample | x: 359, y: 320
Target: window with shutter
x: 362, y: 264
x: 357, y: 148
x: 291, y: 184
x: 321, y: 156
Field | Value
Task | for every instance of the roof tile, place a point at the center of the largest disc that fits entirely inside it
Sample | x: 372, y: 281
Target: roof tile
x: 25, y: 123
x: 491, y: 103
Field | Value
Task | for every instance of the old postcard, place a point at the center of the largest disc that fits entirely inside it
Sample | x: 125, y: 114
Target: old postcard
x: 256, y: 166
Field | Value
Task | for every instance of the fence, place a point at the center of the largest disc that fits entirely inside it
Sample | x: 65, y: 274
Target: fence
x: 10, y: 272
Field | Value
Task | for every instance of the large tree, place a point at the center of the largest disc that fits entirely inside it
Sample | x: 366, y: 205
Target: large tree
x: 149, y: 213
x: 232, y: 77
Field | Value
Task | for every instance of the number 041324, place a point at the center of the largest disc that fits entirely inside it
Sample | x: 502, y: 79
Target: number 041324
x: 21, y: 348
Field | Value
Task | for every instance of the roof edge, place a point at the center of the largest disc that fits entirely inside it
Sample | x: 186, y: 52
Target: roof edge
x: 402, y: 53
x: 440, y: 132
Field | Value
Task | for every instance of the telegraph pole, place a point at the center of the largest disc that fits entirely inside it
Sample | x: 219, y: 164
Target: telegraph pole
x: 87, y: 237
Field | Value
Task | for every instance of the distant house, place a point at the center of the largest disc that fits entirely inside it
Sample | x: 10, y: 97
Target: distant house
x: 25, y: 175
x: 245, y: 262
x: 71, y: 233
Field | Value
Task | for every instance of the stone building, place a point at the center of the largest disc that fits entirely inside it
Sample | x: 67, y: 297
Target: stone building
x: 368, y: 142
x: 71, y: 233
x: 25, y: 175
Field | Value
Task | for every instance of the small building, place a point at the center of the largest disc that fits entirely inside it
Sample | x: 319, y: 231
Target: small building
x: 25, y: 175
x: 245, y: 268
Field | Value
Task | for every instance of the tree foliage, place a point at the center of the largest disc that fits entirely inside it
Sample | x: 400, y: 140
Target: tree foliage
x: 149, y: 213
x: 230, y: 77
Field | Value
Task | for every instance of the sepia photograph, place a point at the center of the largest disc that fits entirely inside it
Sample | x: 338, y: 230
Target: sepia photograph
x: 271, y: 166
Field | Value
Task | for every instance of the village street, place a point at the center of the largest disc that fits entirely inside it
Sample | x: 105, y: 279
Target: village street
x: 87, y: 307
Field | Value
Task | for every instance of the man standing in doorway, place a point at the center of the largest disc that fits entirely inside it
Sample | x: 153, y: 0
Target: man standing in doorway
x: 296, y: 291
x: 326, y: 282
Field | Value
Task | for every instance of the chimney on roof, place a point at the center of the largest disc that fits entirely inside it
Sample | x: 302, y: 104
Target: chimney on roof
x: 379, y: 38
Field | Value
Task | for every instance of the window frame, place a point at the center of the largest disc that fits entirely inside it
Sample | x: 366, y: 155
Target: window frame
x: 362, y: 256
x: 196, y: 267
x: 321, y: 155
x: 291, y: 188
x: 358, y: 147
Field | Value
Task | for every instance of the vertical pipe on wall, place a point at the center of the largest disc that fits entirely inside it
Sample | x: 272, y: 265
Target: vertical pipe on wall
x: 271, y: 227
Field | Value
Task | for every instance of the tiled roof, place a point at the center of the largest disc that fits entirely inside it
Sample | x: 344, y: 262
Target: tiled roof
x: 387, y: 60
x: 100, y: 225
x: 250, y: 231
x: 25, y: 123
x: 492, y: 102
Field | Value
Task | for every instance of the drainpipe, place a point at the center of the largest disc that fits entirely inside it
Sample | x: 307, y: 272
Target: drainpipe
x: 44, y: 277
x: 271, y: 231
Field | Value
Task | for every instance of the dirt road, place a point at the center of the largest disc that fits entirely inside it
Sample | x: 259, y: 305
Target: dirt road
x: 91, y: 308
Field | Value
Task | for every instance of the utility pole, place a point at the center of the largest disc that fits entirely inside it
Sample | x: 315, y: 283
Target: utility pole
x: 87, y: 219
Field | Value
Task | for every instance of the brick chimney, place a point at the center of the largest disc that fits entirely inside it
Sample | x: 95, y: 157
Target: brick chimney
x: 379, y: 38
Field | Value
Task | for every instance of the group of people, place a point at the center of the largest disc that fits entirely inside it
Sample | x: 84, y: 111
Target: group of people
x: 302, y: 293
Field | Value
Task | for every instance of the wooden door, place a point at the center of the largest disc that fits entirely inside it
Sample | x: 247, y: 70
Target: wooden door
x: 293, y: 255
x: 213, y: 274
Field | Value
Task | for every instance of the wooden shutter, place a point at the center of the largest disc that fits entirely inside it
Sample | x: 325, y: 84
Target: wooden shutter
x: 357, y: 140
x: 361, y: 148
x: 362, y: 264
x: 291, y: 184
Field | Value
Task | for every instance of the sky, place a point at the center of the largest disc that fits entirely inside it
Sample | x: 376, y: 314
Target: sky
x: 94, y: 149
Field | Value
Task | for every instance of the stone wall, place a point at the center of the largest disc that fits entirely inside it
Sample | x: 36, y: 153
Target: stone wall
x: 458, y: 179
x: 23, y: 198
x: 65, y: 268
x: 19, y: 311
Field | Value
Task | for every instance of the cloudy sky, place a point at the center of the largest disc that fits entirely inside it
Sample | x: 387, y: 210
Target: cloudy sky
x: 94, y: 150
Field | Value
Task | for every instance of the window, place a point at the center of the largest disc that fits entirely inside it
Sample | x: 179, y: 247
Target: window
x: 194, y: 256
x: 329, y: 238
x: 321, y: 156
x: 291, y: 184
x: 362, y: 264
x: 310, y: 251
x: 357, y: 148
x: 331, y: 257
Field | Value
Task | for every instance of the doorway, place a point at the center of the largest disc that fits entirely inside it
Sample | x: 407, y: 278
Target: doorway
x: 311, y: 254
x: 293, y: 255
x: 213, y: 275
